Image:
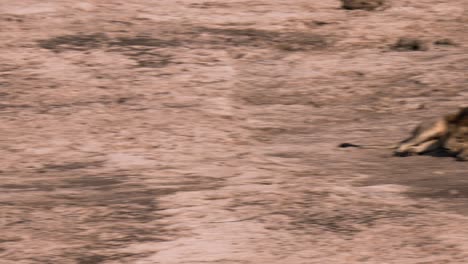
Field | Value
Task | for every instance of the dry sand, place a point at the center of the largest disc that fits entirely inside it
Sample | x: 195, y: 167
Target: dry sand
x: 206, y: 132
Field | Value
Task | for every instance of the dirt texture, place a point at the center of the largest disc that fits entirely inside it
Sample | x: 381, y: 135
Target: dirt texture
x: 207, y: 132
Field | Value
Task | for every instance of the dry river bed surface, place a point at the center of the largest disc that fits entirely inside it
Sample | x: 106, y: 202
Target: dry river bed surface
x: 206, y: 132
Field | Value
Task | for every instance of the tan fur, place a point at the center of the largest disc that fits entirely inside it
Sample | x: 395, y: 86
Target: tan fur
x: 449, y: 133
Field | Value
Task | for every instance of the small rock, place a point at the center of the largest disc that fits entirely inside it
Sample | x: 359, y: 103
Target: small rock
x: 362, y: 4
x: 410, y: 44
x: 122, y: 100
x: 444, y: 42
x: 348, y: 145
x: 321, y: 23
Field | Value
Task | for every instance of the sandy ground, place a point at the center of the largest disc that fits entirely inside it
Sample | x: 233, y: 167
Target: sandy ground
x: 206, y: 132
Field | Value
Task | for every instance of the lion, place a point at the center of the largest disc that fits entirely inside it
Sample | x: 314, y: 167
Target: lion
x: 448, y: 134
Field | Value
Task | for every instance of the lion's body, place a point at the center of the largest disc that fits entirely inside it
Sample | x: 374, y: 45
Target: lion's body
x: 449, y: 133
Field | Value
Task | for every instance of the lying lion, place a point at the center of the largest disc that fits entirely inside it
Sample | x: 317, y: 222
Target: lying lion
x: 448, y: 134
